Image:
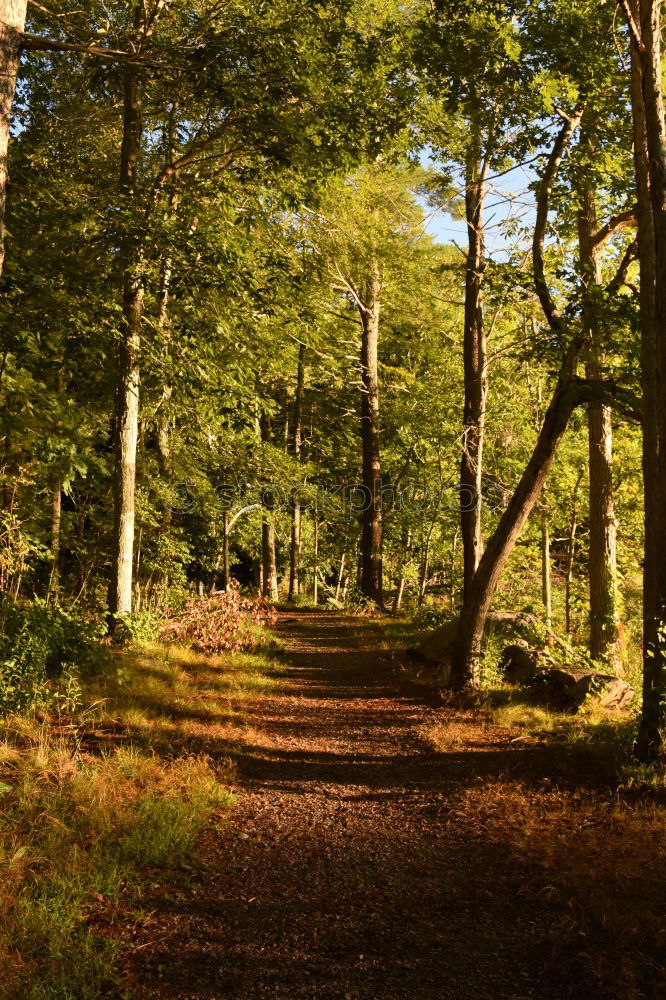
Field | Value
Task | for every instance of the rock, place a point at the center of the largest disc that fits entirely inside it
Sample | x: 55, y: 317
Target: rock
x: 570, y: 687
x: 518, y: 663
x: 511, y: 626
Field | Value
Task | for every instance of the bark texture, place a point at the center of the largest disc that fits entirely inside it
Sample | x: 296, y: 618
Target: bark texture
x: 650, y: 165
x: 474, y: 360
x: 296, y: 440
x: 602, y: 565
x: 545, y: 572
x: 371, y: 534
x: 126, y: 423
x: 12, y: 23
x: 269, y: 582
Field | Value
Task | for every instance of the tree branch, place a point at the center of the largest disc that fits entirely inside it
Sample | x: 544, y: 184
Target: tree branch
x: 630, y: 255
x: 614, y: 224
x: 609, y: 393
x: 633, y: 27
x: 39, y: 44
x: 548, y: 305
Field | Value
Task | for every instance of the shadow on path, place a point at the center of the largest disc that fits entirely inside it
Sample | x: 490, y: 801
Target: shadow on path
x: 354, y: 866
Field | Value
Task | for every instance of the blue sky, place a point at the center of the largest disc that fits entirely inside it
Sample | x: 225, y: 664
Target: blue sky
x: 509, y: 200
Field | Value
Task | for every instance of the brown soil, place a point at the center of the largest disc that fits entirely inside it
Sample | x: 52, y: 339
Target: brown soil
x: 362, y: 863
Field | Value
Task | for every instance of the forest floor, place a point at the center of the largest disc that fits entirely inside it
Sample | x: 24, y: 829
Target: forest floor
x: 385, y: 847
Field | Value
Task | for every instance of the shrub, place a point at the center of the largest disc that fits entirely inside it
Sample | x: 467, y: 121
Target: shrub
x: 429, y: 616
x: 219, y: 623
x: 43, y: 652
x: 140, y: 628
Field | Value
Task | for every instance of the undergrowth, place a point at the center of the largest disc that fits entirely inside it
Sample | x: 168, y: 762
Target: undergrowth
x: 94, y: 800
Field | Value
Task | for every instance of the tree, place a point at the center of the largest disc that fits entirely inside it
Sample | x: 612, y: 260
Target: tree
x: 570, y: 392
x: 644, y: 21
x: 12, y: 22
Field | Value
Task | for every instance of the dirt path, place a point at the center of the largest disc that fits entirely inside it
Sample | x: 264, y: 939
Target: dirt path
x: 355, y: 865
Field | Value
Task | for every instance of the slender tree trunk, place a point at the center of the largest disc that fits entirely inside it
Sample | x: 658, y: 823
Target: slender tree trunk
x: 423, y: 571
x: 56, y: 512
x: 295, y: 548
x: 225, y: 551
x: 474, y: 358
x: 165, y: 462
x: 546, y: 592
x: 269, y: 569
x: 12, y: 23
x: 56, y: 522
x: 571, y: 553
x: 315, y: 589
x: 650, y: 165
x: 371, y: 535
x: 452, y: 571
x: 127, y: 391
x: 340, y: 576
x: 165, y: 423
x: 400, y: 589
x: 269, y: 586
x: 602, y: 566
x: 466, y: 652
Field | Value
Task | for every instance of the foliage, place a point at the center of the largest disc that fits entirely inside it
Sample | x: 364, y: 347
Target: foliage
x: 430, y: 616
x: 220, y: 622
x: 90, y: 800
x: 44, y: 652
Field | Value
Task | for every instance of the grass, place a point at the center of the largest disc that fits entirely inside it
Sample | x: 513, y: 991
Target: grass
x: 93, y: 805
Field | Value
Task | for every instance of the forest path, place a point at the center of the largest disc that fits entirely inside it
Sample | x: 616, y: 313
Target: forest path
x: 358, y: 863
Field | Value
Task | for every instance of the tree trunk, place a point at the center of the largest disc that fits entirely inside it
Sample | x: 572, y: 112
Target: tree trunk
x: 571, y: 553
x: 12, y: 23
x: 452, y: 572
x: 165, y: 462
x: 465, y: 662
x: 225, y: 551
x: 295, y: 548
x: 466, y: 651
x: 371, y: 535
x: 268, y: 562
x: 269, y: 568
x: 650, y: 165
x: 127, y: 390
x: 474, y: 357
x: 56, y: 522
x: 340, y: 575
x: 315, y: 589
x: 423, y: 571
x: 400, y: 589
x: 602, y: 566
x: 545, y: 572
